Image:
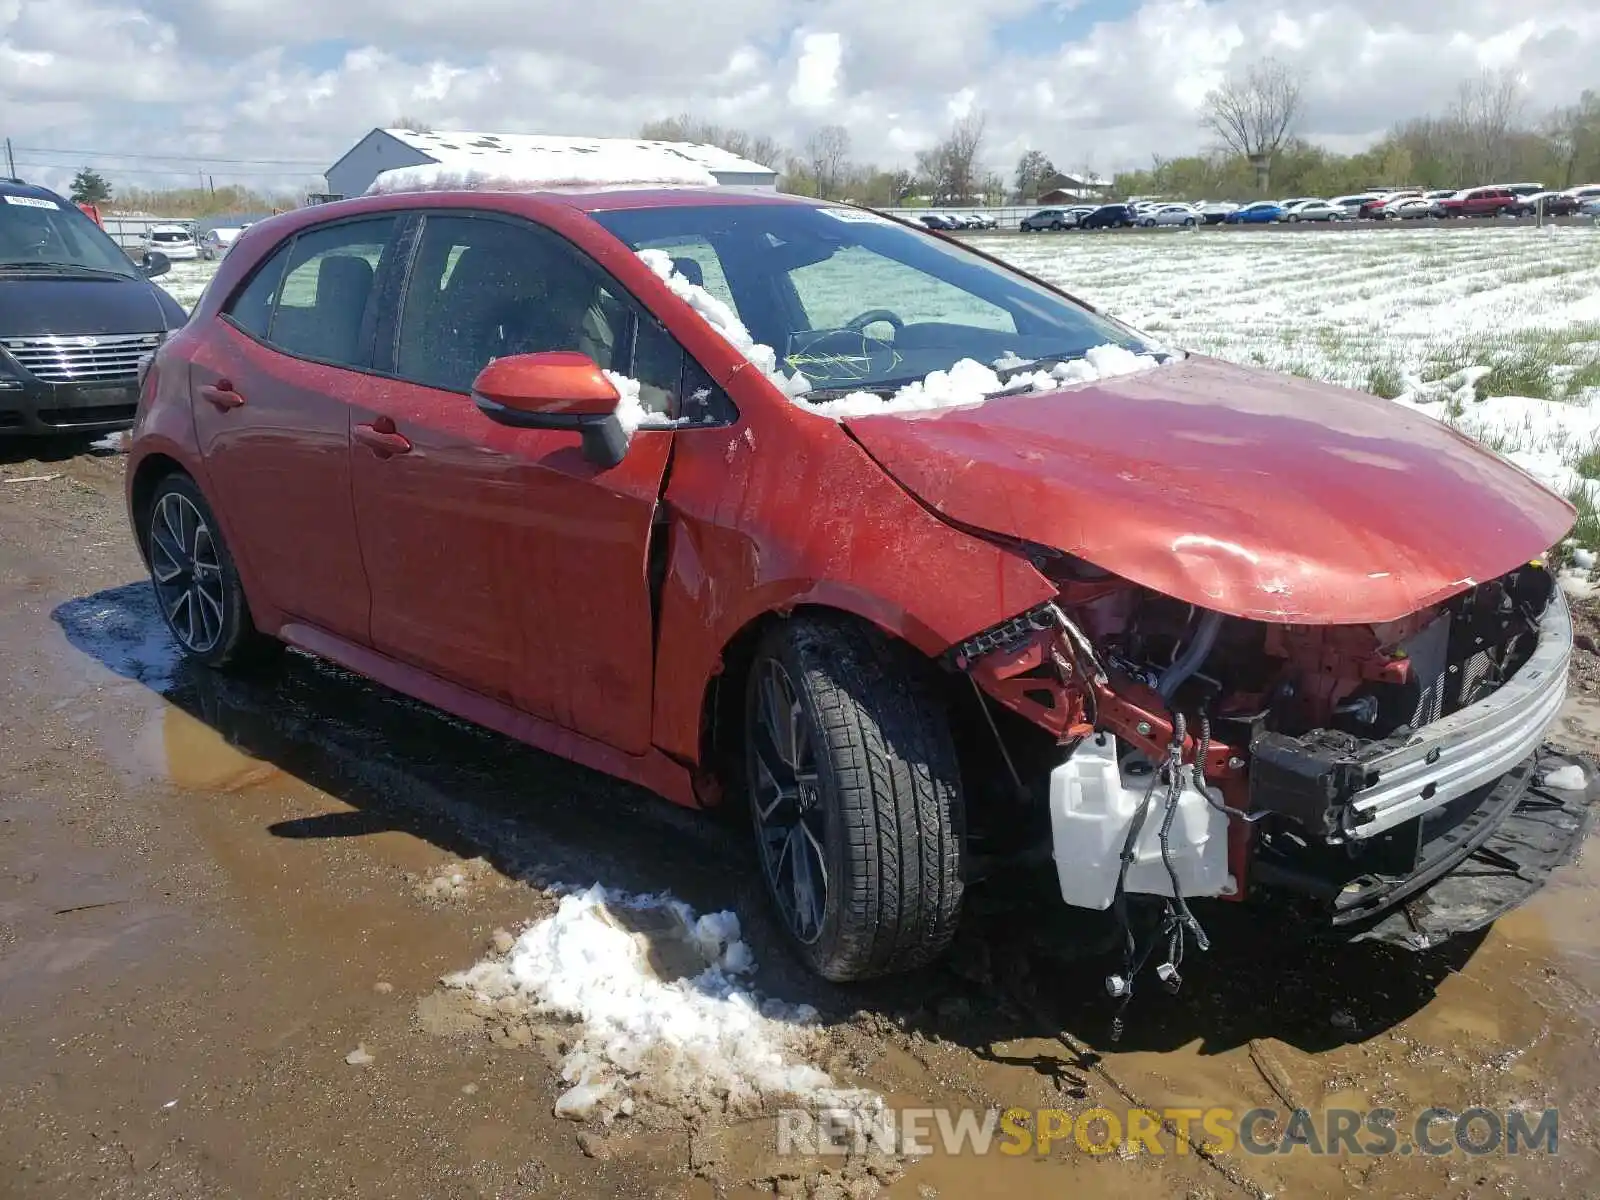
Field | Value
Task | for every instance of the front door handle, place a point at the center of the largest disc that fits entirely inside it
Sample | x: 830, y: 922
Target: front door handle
x: 221, y: 395
x: 381, y: 438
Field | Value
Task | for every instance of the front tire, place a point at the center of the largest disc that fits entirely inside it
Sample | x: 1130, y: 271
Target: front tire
x: 196, y: 584
x: 855, y: 796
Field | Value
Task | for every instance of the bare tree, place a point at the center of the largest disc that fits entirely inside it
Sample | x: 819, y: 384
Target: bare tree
x: 411, y: 124
x: 900, y: 182
x: 1034, y: 168
x: 687, y: 128
x: 1487, y: 113
x: 951, y: 168
x: 1255, y: 113
x: 827, y: 157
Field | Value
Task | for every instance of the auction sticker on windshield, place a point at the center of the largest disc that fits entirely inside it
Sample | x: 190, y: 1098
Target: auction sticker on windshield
x: 31, y: 202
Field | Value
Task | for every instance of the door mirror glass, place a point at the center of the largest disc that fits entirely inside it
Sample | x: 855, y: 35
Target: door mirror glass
x: 555, y: 389
x: 154, y: 263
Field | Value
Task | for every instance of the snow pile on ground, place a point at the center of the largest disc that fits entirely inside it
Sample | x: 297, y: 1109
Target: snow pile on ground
x: 720, y: 317
x: 1546, y: 438
x: 662, y: 1013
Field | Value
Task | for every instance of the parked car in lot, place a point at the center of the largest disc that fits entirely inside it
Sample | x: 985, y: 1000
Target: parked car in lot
x: 175, y: 241
x: 1048, y: 218
x: 1215, y: 211
x: 214, y: 243
x: 1109, y: 216
x: 1262, y: 212
x: 1479, y: 202
x: 938, y: 222
x: 76, y: 318
x: 1025, y: 629
x: 1590, y: 208
x: 1314, y: 210
x: 1170, y: 214
x: 1410, y: 208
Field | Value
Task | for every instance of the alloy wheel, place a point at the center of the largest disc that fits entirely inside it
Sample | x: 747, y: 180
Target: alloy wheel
x: 786, y: 802
x: 187, y: 572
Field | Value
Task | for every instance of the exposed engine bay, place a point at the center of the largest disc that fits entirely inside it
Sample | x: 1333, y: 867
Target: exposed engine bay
x: 1199, y: 754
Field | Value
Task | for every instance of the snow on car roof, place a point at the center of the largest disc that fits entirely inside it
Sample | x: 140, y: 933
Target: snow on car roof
x: 514, y: 162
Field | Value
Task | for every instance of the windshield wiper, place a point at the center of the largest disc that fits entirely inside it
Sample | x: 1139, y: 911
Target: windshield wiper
x: 61, y: 268
x: 886, y: 389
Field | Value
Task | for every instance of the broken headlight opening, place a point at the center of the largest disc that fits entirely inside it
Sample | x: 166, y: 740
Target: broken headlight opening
x: 1198, y: 755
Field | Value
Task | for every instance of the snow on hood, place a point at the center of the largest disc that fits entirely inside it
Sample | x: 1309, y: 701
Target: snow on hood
x: 967, y: 382
x: 662, y: 1009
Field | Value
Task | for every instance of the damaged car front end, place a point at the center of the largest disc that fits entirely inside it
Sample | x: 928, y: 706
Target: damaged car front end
x: 1286, y: 655
x: 1212, y: 756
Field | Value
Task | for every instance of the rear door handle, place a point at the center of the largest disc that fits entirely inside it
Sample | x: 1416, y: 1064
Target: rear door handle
x: 381, y: 438
x: 221, y: 395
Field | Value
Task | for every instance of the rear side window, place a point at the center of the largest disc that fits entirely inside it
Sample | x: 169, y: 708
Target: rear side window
x: 251, y: 307
x: 327, y: 283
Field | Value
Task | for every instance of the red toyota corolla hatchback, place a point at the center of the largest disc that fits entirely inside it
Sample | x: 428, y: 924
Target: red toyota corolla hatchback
x: 752, y: 499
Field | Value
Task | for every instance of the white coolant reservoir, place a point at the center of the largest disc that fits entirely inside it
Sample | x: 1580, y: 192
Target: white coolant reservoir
x: 1093, y: 801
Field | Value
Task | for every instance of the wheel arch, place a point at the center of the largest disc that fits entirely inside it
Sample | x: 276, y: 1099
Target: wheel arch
x: 143, y: 481
x: 721, y: 701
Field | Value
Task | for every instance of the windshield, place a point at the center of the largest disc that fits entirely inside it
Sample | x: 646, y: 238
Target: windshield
x: 35, y: 231
x: 847, y: 298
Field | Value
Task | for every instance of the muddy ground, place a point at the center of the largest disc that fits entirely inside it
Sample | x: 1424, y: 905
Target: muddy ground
x: 212, y: 891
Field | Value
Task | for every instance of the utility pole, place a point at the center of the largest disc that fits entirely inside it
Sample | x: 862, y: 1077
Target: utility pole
x: 211, y: 180
x: 11, y: 163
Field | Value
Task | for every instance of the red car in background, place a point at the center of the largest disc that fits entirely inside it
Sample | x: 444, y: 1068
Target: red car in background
x: 1480, y: 202
x: 998, y: 575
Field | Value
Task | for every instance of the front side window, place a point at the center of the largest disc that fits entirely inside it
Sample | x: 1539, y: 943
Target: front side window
x: 327, y: 284
x: 50, y: 237
x: 849, y: 299
x: 483, y: 288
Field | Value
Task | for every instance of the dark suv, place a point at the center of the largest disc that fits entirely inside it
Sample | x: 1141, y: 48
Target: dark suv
x: 77, y: 316
x: 1110, y: 216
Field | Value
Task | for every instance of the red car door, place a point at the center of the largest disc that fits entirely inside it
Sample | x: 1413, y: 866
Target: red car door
x: 501, y: 559
x: 272, y: 387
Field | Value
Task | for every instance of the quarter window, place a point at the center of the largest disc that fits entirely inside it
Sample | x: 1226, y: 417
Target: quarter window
x: 251, y: 307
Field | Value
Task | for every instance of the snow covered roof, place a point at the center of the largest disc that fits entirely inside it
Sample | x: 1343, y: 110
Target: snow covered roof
x: 465, y: 159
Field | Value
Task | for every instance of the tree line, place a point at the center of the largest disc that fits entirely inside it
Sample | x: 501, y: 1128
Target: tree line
x: 1486, y: 135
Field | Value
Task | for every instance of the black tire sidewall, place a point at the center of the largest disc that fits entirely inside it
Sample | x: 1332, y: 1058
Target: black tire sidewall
x: 783, y: 651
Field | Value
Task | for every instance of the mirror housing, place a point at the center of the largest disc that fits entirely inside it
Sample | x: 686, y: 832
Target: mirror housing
x: 555, y: 389
x: 154, y: 263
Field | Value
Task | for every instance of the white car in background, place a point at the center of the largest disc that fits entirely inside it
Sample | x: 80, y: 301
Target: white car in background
x: 214, y: 243
x: 1315, y: 210
x: 1169, y: 214
x: 175, y: 241
x: 1410, y: 208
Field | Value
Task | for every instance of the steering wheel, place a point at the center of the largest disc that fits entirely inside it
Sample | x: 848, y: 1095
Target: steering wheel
x: 872, y: 316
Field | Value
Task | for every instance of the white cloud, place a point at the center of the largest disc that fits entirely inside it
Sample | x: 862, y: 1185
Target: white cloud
x: 817, y: 74
x: 192, y: 77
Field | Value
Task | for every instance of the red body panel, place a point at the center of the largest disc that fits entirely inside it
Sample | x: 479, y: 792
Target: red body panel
x: 279, y: 465
x: 1255, y: 494
x: 502, y: 560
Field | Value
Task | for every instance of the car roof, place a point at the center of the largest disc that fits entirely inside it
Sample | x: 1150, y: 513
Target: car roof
x: 10, y: 188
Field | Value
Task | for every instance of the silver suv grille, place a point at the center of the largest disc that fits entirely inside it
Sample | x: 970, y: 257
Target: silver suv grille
x: 101, y: 358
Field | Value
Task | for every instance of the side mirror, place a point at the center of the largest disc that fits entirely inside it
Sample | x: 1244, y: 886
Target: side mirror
x: 555, y: 389
x: 154, y: 263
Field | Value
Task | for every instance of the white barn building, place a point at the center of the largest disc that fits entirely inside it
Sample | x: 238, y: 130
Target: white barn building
x: 485, y: 153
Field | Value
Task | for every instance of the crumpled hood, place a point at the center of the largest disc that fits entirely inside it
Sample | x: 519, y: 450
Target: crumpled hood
x: 1252, y: 493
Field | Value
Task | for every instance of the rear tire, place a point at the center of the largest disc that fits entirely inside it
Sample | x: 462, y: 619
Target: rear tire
x: 196, y: 584
x: 852, y: 776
